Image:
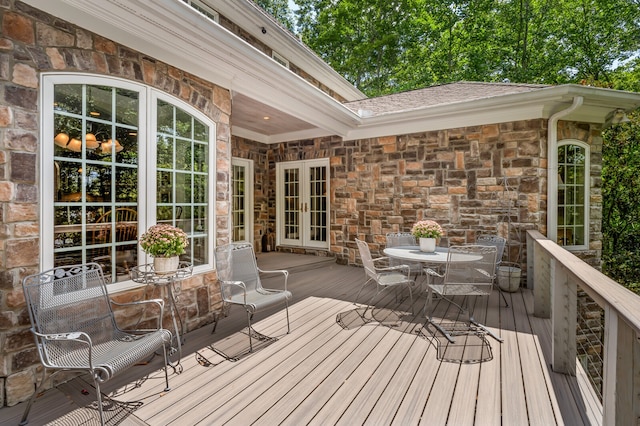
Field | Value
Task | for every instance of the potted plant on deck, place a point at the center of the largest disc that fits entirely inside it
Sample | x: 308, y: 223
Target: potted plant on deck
x: 165, y: 243
x: 426, y: 232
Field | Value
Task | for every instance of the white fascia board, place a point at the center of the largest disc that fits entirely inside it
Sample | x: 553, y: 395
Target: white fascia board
x: 172, y: 32
x: 252, y: 19
x: 440, y: 119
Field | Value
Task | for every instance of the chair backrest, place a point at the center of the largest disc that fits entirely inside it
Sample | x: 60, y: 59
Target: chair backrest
x: 126, y: 226
x: 237, y: 262
x: 396, y: 239
x: 69, y: 299
x: 470, y: 264
x: 493, y: 240
x: 367, y: 260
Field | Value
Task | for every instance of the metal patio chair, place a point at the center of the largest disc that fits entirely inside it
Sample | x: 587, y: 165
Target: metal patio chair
x: 75, y: 329
x: 499, y: 243
x: 386, y: 277
x: 469, y: 272
x: 240, y: 283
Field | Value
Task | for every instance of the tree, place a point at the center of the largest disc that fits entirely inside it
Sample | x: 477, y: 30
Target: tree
x: 394, y: 45
x: 279, y: 9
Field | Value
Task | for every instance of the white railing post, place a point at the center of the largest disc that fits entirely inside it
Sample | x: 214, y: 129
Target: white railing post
x: 542, y: 279
x: 563, y: 319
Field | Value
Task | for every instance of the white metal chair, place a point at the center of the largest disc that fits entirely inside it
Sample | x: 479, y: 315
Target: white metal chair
x: 240, y: 283
x: 469, y: 272
x: 499, y: 243
x: 397, y: 239
x: 75, y: 328
x: 392, y: 276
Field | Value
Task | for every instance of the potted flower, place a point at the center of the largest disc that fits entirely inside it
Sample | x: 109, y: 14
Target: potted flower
x: 165, y: 243
x: 426, y: 231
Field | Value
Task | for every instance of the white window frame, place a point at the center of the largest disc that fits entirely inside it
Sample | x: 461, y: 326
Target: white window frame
x: 147, y: 124
x: 248, y: 199
x: 204, y: 9
x: 279, y: 59
x: 553, y: 204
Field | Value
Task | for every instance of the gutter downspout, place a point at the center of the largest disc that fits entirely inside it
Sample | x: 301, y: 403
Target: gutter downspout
x: 552, y: 165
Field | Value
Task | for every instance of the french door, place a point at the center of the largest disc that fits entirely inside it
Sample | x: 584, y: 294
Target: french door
x: 302, y: 205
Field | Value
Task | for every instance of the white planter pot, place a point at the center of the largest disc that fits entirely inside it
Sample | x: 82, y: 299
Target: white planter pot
x: 428, y: 245
x: 166, y: 265
x: 509, y: 278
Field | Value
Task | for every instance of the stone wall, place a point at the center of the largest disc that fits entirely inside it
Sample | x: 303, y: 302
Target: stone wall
x: 454, y: 176
x: 32, y: 42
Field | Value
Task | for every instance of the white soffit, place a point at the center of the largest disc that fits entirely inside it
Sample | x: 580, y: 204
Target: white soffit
x: 172, y: 32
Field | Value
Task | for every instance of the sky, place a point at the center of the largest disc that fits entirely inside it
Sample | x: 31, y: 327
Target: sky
x: 292, y: 5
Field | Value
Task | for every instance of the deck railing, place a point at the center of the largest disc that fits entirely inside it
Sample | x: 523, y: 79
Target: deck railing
x: 556, y: 275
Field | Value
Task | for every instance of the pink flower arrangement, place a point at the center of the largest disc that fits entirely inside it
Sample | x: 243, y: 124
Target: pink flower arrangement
x: 426, y: 229
x: 164, y: 240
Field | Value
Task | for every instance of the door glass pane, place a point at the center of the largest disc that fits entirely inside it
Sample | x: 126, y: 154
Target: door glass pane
x: 571, y: 195
x: 292, y: 204
x: 95, y: 177
x: 238, y: 204
x: 318, y: 203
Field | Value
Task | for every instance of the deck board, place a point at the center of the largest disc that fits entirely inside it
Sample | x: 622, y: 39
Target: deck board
x: 358, y: 373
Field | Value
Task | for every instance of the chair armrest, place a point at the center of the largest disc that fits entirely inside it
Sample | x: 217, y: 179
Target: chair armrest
x: 404, y: 268
x: 72, y: 336
x: 433, y: 273
x: 76, y: 336
x: 231, y: 284
x: 277, y: 271
x: 485, y: 273
x: 159, y: 302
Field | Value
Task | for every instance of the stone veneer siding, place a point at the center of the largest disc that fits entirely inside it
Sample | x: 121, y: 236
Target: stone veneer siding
x: 32, y: 42
x: 453, y: 176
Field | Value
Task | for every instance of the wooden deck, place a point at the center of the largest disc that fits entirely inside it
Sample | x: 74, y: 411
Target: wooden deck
x: 338, y: 367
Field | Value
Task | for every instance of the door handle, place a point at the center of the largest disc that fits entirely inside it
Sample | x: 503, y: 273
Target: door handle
x: 305, y: 207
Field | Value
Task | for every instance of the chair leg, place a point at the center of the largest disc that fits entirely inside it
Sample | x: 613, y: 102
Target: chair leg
x: 486, y: 330
x: 249, y: 316
x: 438, y: 327
x: 166, y: 368
x: 355, y: 302
x: 506, y: 304
x: 286, y: 303
x: 24, y: 420
x: 96, y: 382
x: 215, y: 323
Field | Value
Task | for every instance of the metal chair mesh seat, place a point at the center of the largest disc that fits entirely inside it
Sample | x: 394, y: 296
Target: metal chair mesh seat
x: 75, y: 327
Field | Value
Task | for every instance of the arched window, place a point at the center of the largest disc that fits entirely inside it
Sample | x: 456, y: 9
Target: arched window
x: 118, y: 157
x: 573, y: 194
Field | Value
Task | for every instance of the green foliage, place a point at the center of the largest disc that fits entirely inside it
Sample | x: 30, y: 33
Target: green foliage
x: 386, y: 46
x: 621, y: 202
x: 279, y: 9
